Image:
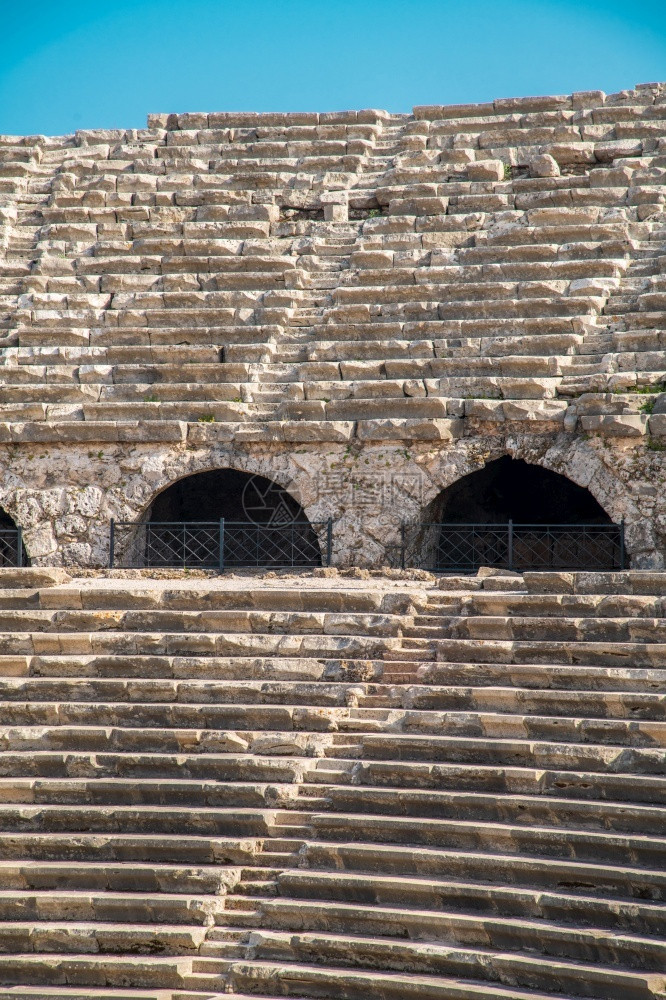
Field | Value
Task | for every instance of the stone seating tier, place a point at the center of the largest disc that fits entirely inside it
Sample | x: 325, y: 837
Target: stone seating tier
x: 249, y: 787
x: 527, y: 230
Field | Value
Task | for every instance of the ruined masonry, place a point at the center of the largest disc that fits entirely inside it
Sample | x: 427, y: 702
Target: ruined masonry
x: 350, y: 782
x: 312, y: 296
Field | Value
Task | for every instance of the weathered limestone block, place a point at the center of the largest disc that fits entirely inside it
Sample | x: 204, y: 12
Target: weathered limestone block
x: 657, y: 424
x: 570, y: 153
x: 624, y: 425
x: 544, y: 165
x: 437, y: 429
x: 486, y: 170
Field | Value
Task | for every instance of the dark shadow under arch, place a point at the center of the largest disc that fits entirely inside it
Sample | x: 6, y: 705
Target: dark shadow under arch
x: 514, y: 515
x: 229, y: 494
x: 512, y: 489
x: 264, y: 526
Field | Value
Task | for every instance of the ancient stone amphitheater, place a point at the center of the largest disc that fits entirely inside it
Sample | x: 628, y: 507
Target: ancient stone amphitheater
x: 332, y: 640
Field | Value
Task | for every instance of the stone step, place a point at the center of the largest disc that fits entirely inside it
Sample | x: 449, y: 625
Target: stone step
x: 356, y: 982
x: 547, y: 811
x: 556, y: 677
x: 476, y: 898
x: 72, y: 937
x: 79, y: 970
x: 233, y: 621
x: 518, y: 780
x: 205, y: 668
x: 18, y: 585
x: 385, y: 923
x: 142, y: 885
x: 584, y: 845
x: 270, y: 717
x: 565, y: 652
x: 141, y: 718
x: 571, y: 702
x: 210, y: 644
x: 145, y: 820
x: 233, y: 762
x: 539, y: 697
x: 88, y: 993
x: 258, y: 887
x: 295, y: 693
x: 622, y: 879
x: 502, y: 604
x: 124, y: 847
x: 147, y: 791
x: 628, y: 582
x: 581, y: 754
x: 564, y: 628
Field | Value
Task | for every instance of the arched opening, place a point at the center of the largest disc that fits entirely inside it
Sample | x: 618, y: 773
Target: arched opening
x: 518, y: 516
x: 12, y: 550
x: 224, y: 518
x: 226, y: 493
x: 510, y: 489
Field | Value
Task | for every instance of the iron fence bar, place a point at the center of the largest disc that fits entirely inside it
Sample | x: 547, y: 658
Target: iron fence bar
x: 221, y: 544
x: 403, y: 536
x: 19, y: 546
x: 516, y: 524
x: 464, y: 547
x: 622, y: 545
x: 112, y: 542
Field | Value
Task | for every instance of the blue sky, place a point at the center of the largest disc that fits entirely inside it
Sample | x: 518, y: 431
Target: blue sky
x: 73, y: 64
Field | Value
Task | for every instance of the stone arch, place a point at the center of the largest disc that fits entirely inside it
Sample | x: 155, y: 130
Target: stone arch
x: 264, y: 524
x: 585, y: 463
x: 508, y: 488
x: 481, y: 518
x: 155, y: 476
x: 228, y: 493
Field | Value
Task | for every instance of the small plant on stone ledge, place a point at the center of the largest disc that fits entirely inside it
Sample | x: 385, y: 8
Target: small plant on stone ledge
x: 652, y: 444
x: 209, y: 418
x: 645, y: 390
x: 647, y: 406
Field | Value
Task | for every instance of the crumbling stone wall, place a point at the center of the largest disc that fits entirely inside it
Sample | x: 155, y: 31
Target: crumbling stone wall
x: 65, y: 498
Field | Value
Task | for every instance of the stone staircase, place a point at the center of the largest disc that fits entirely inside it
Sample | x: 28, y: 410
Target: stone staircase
x: 318, y: 786
x: 356, y: 274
